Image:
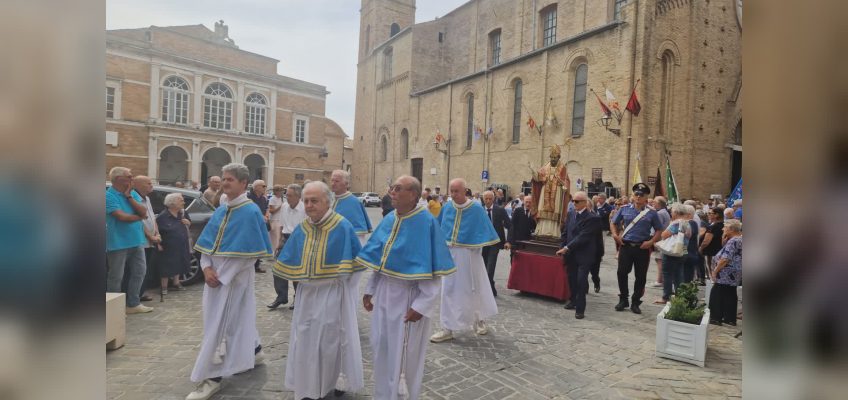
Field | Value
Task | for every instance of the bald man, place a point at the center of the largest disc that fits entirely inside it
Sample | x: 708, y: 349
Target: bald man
x: 257, y: 194
x: 467, y: 298
x: 579, y: 246
x: 143, y: 185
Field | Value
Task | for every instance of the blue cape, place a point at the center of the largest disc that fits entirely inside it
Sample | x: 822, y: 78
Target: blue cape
x: 319, y: 251
x: 349, y: 207
x: 468, y: 226
x: 410, y: 247
x: 236, y: 231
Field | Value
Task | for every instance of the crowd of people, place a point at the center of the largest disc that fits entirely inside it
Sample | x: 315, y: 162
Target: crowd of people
x: 430, y: 251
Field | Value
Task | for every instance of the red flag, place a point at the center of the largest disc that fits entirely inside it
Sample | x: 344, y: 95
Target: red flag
x: 531, y: 123
x: 633, y: 104
x: 604, y: 107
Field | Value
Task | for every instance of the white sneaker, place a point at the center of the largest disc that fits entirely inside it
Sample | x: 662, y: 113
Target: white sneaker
x: 481, y: 328
x: 657, y: 284
x: 141, y: 308
x: 441, y: 336
x: 204, y: 390
x: 259, y: 358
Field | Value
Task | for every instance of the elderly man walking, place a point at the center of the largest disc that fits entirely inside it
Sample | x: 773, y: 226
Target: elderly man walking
x: 232, y: 239
x: 408, y: 254
x: 500, y: 221
x: 580, y: 248
x: 125, y: 238
x: 290, y: 215
x: 467, y: 298
x: 348, y: 205
x: 212, y: 194
x: 324, y: 350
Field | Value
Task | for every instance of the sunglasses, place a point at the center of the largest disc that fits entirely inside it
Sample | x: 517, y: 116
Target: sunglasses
x: 577, y: 201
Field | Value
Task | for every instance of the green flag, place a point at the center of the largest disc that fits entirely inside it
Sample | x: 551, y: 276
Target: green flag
x: 670, y: 184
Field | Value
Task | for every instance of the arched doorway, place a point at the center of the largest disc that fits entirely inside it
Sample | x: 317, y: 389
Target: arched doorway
x: 256, y: 165
x: 173, y: 165
x: 213, y: 160
x: 736, y: 158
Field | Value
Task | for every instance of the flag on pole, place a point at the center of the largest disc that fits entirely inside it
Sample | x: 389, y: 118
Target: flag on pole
x: 613, y: 104
x: 633, y: 104
x: 659, y: 189
x: 439, y: 136
x: 477, y: 132
x: 637, y: 176
x: 736, y: 194
x: 604, y: 107
x: 489, y: 132
x: 531, y: 123
x: 670, y: 183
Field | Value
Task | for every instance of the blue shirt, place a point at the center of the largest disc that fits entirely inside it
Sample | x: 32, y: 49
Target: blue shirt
x: 641, y: 231
x: 122, y: 235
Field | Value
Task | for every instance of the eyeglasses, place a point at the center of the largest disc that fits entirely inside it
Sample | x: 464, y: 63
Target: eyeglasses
x: 397, y: 188
x: 639, y: 194
x: 577, y: 201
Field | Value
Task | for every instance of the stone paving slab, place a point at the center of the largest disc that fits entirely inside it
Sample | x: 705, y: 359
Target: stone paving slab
x: 535, y: 350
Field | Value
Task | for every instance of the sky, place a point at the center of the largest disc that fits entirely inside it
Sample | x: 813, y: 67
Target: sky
x: 315, y: 40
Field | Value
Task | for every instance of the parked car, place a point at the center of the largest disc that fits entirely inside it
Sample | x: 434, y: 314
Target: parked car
x: 197, y: 208
x: 360, y: 196
x: 371, y: 199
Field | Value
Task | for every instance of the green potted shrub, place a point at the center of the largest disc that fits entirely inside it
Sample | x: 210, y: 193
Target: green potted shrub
x: 682, y: 327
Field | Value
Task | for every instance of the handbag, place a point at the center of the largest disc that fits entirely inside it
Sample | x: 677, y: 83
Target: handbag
x: 674, y: 245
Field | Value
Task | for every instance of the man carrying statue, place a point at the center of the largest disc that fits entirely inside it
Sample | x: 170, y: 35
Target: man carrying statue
x: 551, y: 187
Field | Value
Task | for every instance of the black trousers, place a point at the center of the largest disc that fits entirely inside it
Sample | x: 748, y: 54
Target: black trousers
x: 490, y: 258
x: 596, y: 273
x: 281, y: 286
x: 629, y: 258
x: 723, y: 301
x: 578, y: 284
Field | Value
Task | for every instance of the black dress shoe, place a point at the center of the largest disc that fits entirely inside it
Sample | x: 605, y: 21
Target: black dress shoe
x: 276, y: 304
x: 570, y: 306
x: 338, y: 392
x: 715, y: 322
x: 635, y: 309
x: 146, y: 298
x: 622, y: 304
x: 579, y: 316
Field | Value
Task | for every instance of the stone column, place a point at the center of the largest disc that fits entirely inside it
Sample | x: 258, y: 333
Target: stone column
x: 154, y: 92
x: 153, y: 158
x: 272, y: 115
x: 238, y: 154
x: 240, y: 108
x: 269, y: 174
x: 195, y: 161
x: 197, y: 115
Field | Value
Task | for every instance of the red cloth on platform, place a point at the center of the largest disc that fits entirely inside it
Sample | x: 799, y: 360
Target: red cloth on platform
x: 539, y: 274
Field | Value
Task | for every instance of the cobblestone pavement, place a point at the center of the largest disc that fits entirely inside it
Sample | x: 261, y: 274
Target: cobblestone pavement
x: 536, y: 350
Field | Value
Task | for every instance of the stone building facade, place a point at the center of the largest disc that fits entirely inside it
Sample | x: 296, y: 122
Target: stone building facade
x: 183, y: 101
x: 488, y: 66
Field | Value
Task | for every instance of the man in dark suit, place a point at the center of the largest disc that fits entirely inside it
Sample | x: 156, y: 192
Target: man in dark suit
x: 579, y: 245
x: 500, y: 220
x: 523, y: 223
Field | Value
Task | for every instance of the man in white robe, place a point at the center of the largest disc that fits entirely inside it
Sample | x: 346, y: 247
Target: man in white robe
x: 232, y: 239
x: 467, y: 298
x: 408, y: 254
x: 324, y: 349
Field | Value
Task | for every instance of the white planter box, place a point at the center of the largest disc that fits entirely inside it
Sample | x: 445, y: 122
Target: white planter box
x: 707, y: 290
x: 681, y: 341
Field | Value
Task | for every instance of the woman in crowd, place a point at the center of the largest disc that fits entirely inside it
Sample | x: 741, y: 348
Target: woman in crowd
x: 174, y: 250
x: 692, y: 256
x: 727, y: 275
x: 712, y: 238
x: 434, y: 206
x: 673, y: 266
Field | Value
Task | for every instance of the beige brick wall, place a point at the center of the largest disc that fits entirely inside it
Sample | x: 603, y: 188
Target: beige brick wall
x: 699, y: 157
x: 212, y: 53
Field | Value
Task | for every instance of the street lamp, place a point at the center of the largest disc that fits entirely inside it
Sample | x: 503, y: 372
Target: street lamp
x: 437, y: 143
x: 605, y: 122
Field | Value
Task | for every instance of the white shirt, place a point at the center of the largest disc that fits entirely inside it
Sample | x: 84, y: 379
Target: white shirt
x: 290, y: 218
x: 149, y: 222
x: 276, y: 202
